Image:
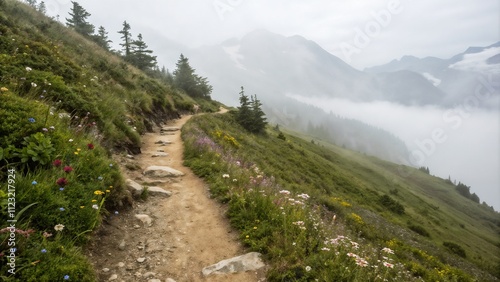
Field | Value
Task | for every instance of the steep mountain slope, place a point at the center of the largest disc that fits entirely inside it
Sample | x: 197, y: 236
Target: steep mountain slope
x: 290, y: 197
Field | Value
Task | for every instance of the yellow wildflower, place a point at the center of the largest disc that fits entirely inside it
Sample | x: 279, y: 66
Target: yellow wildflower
x: 4, y: 89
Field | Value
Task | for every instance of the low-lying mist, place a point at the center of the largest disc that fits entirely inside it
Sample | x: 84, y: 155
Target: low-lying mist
x: 460, y: 143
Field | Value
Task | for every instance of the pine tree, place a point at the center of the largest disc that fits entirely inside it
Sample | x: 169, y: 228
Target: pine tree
x: 32, y: 3
x: 42, y: 8
x: 244, y: 116
x: 101, y: 38
x: 78, y: 20
x: 186, y: 79
x: 258, y: 116
x: 127, y: 38
x: 140, y: 55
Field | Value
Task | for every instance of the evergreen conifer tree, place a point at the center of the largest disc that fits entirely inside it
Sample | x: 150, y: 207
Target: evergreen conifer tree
x: 42, y: 8
x: 140, y: 55
x: 258, y: 116
x: 127, y: 39
x: 78, y: 20
x: 186, y: 79
x: 244, y: 116
x: 101, y: 38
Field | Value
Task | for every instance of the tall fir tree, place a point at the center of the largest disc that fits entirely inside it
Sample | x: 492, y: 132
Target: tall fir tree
x: 32, y: 3
x: 127, y: 39
x: 78, y: 20
x: 101, y: 38
x: 186, y: 79
x: 244, y: 116
x: 42, y: 8
x: 258, y: 116
x: 140, y: 55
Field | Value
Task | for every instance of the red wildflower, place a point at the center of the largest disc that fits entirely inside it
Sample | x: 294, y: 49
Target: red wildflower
x: 68, y: 169
x: 90, y: 146
x: 57, y: 163
x: 62, y: 181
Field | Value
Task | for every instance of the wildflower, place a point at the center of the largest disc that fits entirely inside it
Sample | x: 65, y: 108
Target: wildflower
x: 96, y: 207
x: 100, y: 178
x: 110, y: 165
x: 98, y: 192
x: 62, y: 181
x: 308, y: 268
x: 52, y: 127
x: 388, y: 265
x: 235, y: 180
x: 82, y: 207
x: 33, y: 84
x: 32, y: 120
x: 45, y: 129
x: 57, y: 163
x: 387, y: 250
x: 325, y: 249
x: 303, y: 196
x: 66, y: 277
x: 59, y: 227
x: 46, y: 234
x: 61, y: 188
x: 352, y: 255
x: 61, y: 209
x: 298, y: 223
x: 93, y: 201
x: 28, y: 69
x: 70, y: 140
x: 247, y: 236
x: 44, y: 251
x: 76, y: 153
x: 78, y: 149
x: 4, y: 89
x: 361, y: 262
x: 225, y: 175
x: 90, y: 146
x: 116, y: 212
x: 285, y: 192
x: 34, y: 182
x: 68, y: 169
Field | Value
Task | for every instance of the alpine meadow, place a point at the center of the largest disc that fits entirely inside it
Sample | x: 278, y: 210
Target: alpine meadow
x: 319, y: 196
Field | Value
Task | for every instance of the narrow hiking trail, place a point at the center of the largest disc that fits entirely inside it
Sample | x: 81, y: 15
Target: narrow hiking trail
x: 174, y: 237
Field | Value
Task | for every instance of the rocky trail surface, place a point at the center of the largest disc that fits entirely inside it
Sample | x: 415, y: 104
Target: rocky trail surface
x: 177, y: 233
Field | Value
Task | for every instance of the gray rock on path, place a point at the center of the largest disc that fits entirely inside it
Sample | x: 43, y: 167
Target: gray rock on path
x: 135, y: 188
x: 145, y: 219
x: 159, y: 154
x: 169, y: 129
x: 247, y: 262
x: 163, y: 142
x: 158, y: 191
x: 162, y: 171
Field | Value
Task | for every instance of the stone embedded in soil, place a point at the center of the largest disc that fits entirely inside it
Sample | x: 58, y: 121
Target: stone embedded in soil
x: 105, y: 269
x: 113, y: 277
x: 169, y: 129
x: 247, y: 262
x: 162, y: 171
x: 157, y: 191
x: 163, y: 142
x: 145, y: 219
x: 159, y: 155
x: 141, y: 260
x: 122, y: 245
x: 154, y: 182
x: 148, y: 274
x: 121, y: 264
x: 135, y: 188
x: 154, y: 280
x: 170, y: 280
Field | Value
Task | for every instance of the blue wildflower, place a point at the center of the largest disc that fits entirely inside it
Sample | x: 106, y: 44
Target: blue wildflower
x: 34, y: 182
x: 66, y: 277
x: 44, y: 251
x: 61, y: 209
x: 61, y: 188
x: 32, y: 120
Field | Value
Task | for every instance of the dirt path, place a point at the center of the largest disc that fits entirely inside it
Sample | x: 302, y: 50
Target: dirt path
x: 188, y: 232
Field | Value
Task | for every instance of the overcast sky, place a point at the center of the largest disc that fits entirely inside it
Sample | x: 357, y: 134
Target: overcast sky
x: 363, y: 33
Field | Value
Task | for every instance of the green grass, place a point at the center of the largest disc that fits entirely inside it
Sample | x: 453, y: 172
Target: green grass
x: 376, y: 204
x: 60, y: 92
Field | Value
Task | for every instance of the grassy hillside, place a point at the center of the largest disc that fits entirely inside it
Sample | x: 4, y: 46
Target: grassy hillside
x: 65, y: 106
x: 295, y: 200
